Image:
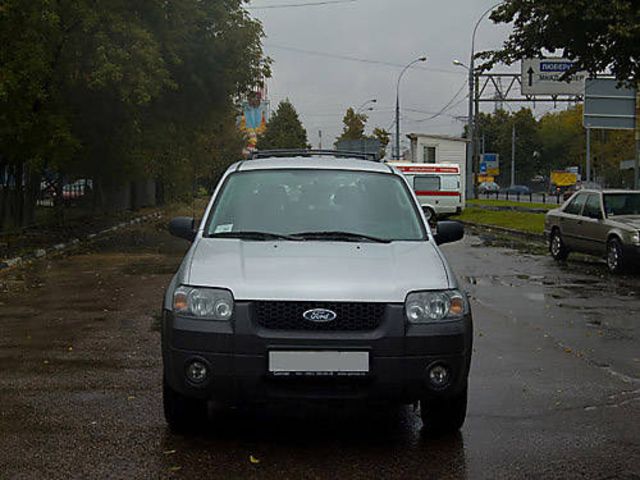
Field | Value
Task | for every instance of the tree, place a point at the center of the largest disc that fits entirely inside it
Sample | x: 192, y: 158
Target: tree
x: 562, y: 139
x: 384, y: 137
x: 117, y: 90
x: 554, y: 142
x: 354, y: 124
x: 597, y: 34
x: 497, y: 129
x: 284, y: 130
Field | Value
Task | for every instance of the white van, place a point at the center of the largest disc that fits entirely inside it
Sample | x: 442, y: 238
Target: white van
x: 438, y: 186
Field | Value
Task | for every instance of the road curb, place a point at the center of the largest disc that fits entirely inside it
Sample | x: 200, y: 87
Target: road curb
x: 495, y: 208
x: 538, y: 237
x: 62, y: 247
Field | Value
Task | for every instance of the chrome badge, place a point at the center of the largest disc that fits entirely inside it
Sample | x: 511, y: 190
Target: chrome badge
x: 320, y: 315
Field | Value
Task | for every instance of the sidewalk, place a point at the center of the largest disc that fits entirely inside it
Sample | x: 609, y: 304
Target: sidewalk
x: 34, y: 242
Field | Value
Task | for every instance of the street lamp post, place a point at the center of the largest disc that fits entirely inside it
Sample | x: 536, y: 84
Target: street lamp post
x: 470, y: 120
x: 409, y: 65
x: 361, y: 108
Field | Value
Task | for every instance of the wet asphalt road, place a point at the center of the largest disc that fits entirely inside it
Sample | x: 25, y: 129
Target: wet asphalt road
x: 554, y: 390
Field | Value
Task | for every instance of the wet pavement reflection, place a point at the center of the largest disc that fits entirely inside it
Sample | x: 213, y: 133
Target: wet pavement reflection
x: 554, y: 392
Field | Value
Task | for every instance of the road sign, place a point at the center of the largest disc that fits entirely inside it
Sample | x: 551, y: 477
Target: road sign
x: 607, y: 106
x: 543, y: 76
x: 490, y: 162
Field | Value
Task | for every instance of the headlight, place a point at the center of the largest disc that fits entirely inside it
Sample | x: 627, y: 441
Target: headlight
x: 635, y: 238
x: 205, y: 303
x: 424, y: 307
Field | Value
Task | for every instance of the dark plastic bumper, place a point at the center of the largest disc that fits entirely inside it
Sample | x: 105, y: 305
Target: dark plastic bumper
x: 237, y: 355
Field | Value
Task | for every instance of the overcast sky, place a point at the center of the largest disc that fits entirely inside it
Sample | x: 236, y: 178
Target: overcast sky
x: 389, y: 31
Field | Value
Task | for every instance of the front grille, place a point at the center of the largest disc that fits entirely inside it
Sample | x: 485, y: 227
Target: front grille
x: 349, y: 316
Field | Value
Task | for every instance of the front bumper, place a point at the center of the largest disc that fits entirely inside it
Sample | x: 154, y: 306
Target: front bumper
x: 237, y: 354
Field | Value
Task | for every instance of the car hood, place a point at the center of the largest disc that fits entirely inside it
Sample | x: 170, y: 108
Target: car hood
x: 317, y: 271
x: 627, y: 220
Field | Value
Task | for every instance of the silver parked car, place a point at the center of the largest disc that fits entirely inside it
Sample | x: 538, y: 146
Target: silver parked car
x: 315, y: 279
x: 605, y: 223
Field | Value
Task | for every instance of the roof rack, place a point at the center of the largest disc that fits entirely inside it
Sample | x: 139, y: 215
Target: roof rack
x: 374, y: 157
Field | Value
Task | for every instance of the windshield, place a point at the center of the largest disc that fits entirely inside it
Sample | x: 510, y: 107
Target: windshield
x: 289, y: 202
x: 622, y: 204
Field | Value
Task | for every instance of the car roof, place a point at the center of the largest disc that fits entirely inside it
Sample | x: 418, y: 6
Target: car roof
x: 311, y: 163
x: 609, y: 190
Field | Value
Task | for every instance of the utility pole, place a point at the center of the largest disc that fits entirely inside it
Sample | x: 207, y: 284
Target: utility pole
x: 320, y: 139
x: 636, y: 166
x: 588, y: 166
x: 513, y: 155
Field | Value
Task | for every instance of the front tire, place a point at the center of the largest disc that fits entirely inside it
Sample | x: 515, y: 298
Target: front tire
x: 444, y: 416
x: 183, y: 414
x: 615, y: 256
x: 558, y: 250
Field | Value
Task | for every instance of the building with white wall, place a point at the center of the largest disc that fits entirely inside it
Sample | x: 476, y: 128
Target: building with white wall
x: 427, y: 148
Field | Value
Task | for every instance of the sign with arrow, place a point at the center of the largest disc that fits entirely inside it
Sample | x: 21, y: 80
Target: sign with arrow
x: 544, y: 76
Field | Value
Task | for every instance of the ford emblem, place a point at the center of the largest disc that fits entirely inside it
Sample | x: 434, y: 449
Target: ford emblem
x: 320, y: 315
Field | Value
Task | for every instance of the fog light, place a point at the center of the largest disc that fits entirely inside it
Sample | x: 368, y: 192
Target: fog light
x: 197, y: 372
x: 439, y: 376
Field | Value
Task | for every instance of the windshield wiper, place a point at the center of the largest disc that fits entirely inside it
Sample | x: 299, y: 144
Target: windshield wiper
x: 259, y: 236
x: 339, y: 236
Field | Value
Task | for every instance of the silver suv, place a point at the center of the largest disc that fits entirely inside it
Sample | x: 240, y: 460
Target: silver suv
x: 315, y: 278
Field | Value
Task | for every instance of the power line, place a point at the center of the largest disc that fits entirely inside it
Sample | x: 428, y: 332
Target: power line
x: 446, y: 107
x: 296, y: 5
x: 360, y: 60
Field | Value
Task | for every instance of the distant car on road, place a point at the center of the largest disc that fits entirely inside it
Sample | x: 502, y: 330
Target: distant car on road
x: 488, y: 187
x: 605, y: 223
x: 517, y: 190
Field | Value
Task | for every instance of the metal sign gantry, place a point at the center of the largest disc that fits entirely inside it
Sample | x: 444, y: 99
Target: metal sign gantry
x: 507, y: 88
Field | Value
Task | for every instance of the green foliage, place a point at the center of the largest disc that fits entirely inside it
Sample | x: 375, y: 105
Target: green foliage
x: 497, y: 129
x: 384, y: 137
x: 554, y: 142
x: 122, y: 89
x: 598, y: 34
x: 354, y: 124
x: 354, y: 129
x: 284, y: 130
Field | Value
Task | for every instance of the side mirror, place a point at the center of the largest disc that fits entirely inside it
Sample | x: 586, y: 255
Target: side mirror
x: 448, y: 232
x: 183, y: 227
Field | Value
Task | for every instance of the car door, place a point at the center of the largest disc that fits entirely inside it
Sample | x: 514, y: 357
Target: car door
x: 571, y: 222
x: 593, y: 229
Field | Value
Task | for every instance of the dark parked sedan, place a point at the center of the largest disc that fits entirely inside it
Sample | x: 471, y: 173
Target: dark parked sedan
x: 517, y: 190
x: 603, y: 223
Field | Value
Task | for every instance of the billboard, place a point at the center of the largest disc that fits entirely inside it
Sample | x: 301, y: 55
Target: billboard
x: 253, y: 120
x: 490, y: 164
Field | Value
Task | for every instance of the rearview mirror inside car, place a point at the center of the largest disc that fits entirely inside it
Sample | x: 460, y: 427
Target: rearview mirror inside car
x: 183, y: 227
x: 448, y: 232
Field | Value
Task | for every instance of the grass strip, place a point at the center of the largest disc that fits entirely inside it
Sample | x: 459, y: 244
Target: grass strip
x: 509, y: 203
x: 522, y: 221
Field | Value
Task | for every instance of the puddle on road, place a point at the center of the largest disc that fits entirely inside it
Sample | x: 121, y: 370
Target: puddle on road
x: 535, y: 296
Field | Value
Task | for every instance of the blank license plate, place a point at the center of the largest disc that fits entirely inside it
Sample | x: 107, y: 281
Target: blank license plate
x: 319, y: 363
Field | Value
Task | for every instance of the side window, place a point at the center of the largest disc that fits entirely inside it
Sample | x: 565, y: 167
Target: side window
x: 575, y: 206
x: 429, y: 154
x: 451, y: 182
x: 592, y: 208
x: 426, y: 183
